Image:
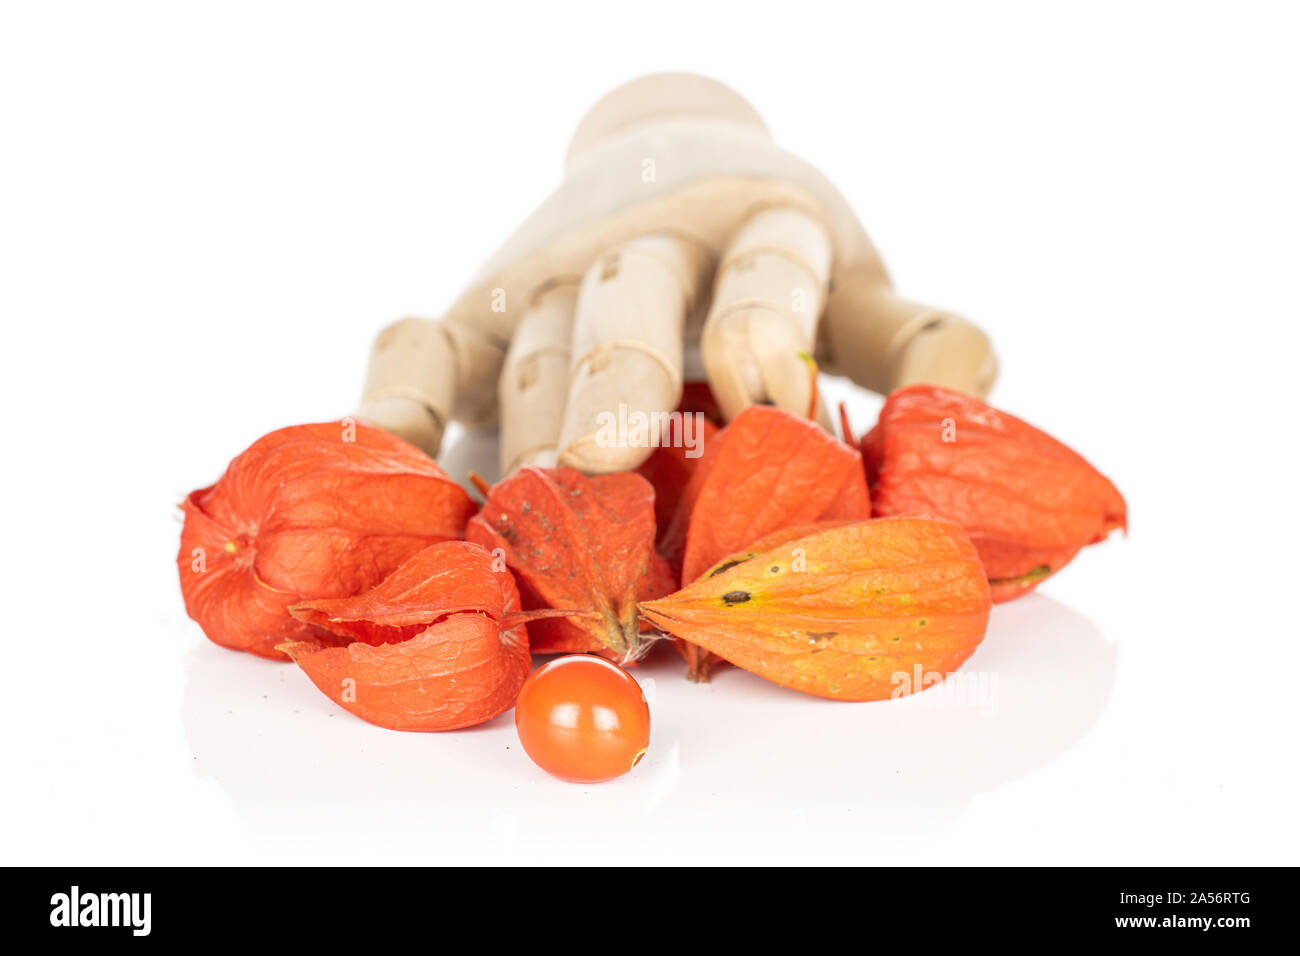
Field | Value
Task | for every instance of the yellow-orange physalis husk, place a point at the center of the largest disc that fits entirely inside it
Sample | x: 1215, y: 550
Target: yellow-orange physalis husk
x: 841, y: 613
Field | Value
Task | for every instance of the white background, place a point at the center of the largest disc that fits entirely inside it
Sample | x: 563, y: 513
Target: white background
x: 207, y: 211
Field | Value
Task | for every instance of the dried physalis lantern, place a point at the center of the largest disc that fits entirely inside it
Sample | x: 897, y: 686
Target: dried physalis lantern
x: 1028, y: 502
x: 432, y: 647
x: 840, y: 612
x: 310, y: 511
x: 577, y: 544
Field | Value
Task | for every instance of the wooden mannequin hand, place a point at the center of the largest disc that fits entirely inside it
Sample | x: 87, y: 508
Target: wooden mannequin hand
x: 678, y: 221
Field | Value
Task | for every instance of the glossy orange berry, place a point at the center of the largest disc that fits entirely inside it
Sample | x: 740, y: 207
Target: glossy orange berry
x: 583, y: 719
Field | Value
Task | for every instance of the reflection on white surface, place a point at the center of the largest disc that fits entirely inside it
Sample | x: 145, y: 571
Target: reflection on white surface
x: 756, y: 758
x: 663, y: 777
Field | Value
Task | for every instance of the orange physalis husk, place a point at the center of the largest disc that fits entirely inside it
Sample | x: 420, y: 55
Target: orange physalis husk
x: 1028, y: 502
x: 578, y: 544
x: 427, y: 649
x: 670, y: 467
x: 844, y: 612
x: 779, y: 537
x: 766, y: 471
x: 325, y: 510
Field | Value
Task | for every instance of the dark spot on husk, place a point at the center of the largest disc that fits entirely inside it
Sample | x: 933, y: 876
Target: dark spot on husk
x: 735, y: 597
x: 725, y: 566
